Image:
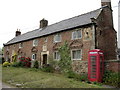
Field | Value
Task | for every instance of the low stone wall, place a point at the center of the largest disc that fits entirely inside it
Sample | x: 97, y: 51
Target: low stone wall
x: 80, y: 67
x: 112, y: 65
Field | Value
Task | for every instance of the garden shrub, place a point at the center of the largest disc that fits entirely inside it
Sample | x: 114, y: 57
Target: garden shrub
x: 54, y: 65
x: 5, y: 64
x: 36, y: 64
x: 81, y: 77
x: 15, y: 64
x: 97, y: 83
x: 65, y: 59
x: 71, y: 74
x: 112, y: 78
x: 14, y: 57
x: 25, y: 62
x: 47, y: 68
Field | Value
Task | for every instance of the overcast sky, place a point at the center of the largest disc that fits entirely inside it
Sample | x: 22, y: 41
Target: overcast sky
x: 26, y: 14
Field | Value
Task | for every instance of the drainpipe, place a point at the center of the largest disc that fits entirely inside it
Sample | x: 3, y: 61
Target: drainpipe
x: 94, y: 33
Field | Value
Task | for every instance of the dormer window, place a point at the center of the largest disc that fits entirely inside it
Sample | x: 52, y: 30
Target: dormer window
x: 57, y: 38
x: 76, y: 34
x: 20, y: 45
x: 35, y: 42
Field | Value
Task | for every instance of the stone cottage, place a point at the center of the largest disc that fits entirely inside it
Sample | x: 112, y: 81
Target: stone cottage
x: 92, y: 30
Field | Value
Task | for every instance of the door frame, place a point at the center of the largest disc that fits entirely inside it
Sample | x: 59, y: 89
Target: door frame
x: 44, y: 53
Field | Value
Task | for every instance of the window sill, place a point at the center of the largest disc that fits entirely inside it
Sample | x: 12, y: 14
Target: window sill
x: 76, y: 39
x: 76, y: 59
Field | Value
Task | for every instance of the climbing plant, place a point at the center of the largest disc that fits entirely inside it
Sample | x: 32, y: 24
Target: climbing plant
x: 14, y: 57
x: 65, y: 59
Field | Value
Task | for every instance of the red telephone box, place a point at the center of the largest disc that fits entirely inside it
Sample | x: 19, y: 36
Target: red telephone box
x: 95, y: 65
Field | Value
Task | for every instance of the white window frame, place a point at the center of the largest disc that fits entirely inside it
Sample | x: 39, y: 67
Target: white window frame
x: 20, y: 45
x: 76, y: 58
x: 56, y: 36
x: 76, y: 32
x: 56, y: 56
x: 35, y: 42
x: 34, y: 56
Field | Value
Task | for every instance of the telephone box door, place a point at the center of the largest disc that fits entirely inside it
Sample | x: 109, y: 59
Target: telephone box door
x: 92, y: 67
x: 95, y: 65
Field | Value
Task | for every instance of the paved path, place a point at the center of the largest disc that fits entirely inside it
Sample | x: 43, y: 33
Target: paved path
x: 3, y: 85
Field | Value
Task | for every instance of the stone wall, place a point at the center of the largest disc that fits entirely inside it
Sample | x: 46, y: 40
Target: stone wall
x: 80, y: 67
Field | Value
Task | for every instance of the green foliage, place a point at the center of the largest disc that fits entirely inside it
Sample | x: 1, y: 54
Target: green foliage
x: 47, y: 68
x: 25, y: 62
x: 5, y: 64
x: 14, y: 57
x: 36, y: 64
x: 82, y: 77
x: 112, y: 78
x: 35, y: 78
x: 15, y: 64
x: 97, y: 83
x: 65, y: 59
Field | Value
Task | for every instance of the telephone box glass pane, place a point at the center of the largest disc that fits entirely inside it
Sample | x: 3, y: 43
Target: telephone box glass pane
x: 93, y: 66
x: 101, y: 64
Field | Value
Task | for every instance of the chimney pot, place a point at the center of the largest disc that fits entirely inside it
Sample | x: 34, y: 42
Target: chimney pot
x: 43, y: 23
x: 106, y: 2
x: 17, y: 33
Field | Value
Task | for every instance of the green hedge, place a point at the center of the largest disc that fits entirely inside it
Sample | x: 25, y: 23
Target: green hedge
x: 112, y: 78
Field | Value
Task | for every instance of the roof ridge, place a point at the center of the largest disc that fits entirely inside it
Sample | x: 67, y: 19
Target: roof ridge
x: 65, y: 24
x: 61, y: 21
x: 74, y: 17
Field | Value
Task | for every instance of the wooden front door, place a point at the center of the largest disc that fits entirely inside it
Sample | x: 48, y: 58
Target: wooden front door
x: 45, y: 59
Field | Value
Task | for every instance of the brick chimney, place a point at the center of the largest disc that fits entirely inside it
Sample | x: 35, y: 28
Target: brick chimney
x: 17, y: 33
x: 43, y: 23
x: 107, y: 13
x: 106, y: 2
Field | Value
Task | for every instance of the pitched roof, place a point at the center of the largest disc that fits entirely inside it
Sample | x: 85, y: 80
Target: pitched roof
x: 76, y: 21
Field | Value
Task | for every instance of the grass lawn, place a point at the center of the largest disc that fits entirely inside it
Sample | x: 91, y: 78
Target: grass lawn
x: 34, y: 78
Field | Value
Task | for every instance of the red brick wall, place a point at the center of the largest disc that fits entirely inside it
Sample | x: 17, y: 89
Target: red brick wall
x: 85, y: 45
x: 106, y: 35
x: 113, y: 66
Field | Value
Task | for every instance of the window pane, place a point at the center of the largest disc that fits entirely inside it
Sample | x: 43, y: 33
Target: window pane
x: 34, y: 56
x: 73, y: 54
x: 57, y: 38
x: 76, y: 54
x: 78, y: 34
x: 35, y: 42
x: 56, y: 55
x: 74, y: 35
